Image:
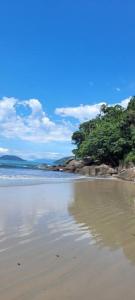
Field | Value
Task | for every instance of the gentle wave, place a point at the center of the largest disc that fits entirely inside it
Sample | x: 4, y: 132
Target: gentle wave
x: 13, y: 177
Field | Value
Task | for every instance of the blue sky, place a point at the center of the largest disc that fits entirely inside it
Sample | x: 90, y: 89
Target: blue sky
x: 54, y: 57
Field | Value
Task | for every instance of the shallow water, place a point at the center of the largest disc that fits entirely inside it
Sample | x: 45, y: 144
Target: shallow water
x: 22, y: 176
x: 72, y: 240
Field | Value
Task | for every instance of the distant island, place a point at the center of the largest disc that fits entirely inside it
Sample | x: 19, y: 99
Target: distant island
x: 11, y: 158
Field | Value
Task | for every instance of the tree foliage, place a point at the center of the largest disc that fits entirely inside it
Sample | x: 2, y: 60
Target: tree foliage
x: 110, y: 137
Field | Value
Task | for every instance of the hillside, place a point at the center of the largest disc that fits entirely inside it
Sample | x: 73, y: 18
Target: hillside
x: 63, y: 160
x: 44, y: 161
x: 11, y: 158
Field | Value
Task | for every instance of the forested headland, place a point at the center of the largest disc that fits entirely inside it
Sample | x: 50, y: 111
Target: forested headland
x: 109, y: 138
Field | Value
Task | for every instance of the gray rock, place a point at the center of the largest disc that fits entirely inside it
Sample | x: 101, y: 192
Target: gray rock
x: 102, y: 170
x: 74, y: 164
x: 87, y: 171
x: 127, y: 174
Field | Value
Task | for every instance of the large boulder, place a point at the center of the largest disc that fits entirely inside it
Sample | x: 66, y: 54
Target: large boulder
x: 73, y: 165
x: 127, y: 174
x: 88, y: 171
x: 102, y: 170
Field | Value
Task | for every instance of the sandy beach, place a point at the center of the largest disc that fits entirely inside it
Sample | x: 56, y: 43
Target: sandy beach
x: 73, y: 240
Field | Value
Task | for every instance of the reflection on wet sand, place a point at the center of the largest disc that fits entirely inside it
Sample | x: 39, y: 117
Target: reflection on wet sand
x: 68, y: 241
x: 28, y: 212
x: 107, y: 208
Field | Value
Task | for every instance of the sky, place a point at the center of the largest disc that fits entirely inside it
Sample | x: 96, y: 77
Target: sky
x: 59, y: 60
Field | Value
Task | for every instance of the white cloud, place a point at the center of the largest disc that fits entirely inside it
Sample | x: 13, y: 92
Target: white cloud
x: 81, y: 112
x: 118, y: 89
x: 37, y: 155
x: 35, y: 126
x: 50, y: 155
x: 125, y: 102
x: 47, y: 155
x: 35, y: 106
x: 3, y: 150
x: 7, y: 108
x: 86, y: 112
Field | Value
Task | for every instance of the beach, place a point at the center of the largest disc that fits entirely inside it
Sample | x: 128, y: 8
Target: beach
x: 68, y: 240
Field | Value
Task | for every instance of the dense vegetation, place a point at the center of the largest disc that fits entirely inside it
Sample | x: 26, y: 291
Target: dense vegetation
x: 110, y: 137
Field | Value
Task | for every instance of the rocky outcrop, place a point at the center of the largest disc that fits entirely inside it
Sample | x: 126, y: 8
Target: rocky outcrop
x: 74, y: 165
x: 88, y: 171
x: 102, y: 170
x: 105, y: 170
x: 127, y: 174
x: 55, y: 168
x: 80, y: 167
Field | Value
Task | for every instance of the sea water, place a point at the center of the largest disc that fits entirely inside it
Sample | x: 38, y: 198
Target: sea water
x: 26, y: 176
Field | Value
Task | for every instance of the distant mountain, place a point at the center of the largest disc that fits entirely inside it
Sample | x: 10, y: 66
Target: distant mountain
x: 11, y: 158
x: 44, y: 161
x: 63, y: 160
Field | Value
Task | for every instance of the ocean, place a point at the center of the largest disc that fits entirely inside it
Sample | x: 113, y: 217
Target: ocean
x: 22, y: 173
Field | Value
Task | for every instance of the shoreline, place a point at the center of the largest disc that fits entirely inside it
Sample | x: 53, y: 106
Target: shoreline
x: 62, y: 181
x: 93, y: 171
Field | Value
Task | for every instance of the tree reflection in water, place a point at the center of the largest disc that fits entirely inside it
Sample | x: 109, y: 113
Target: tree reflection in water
x: 107, y: 207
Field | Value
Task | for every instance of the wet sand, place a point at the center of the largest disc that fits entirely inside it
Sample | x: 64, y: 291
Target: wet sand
x: 68, y: 241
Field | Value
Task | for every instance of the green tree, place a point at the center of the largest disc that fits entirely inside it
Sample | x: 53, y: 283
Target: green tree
x: 110, y: 137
